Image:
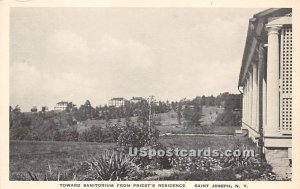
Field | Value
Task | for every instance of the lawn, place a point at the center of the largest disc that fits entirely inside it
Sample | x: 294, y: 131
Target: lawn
x: 219, y: 130
x: 169, y: 128
x: 200, y: 142
x: 165, y: 119
x: 36, y: 156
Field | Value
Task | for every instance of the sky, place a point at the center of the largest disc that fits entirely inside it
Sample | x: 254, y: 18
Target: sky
x: 75, y: 54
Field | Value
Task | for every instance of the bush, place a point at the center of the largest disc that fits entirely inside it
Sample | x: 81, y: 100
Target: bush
x: 192, y: 115
x: 228, y: 118
x: 137, y: 135
x: 196, y: 163
x: 227, y: 174
x: 155, y: 162
x: 112, y: 166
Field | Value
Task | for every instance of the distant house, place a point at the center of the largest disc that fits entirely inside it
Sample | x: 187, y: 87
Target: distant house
x: 61, y: 106
x: 117, y: 102
x: 136, y: 99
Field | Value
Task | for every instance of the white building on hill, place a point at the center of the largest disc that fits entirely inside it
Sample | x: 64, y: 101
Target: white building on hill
x: 61, y: 106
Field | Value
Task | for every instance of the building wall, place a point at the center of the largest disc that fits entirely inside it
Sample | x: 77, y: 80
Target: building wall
x: 60, y: 107
x: 267, y: 92
x: 117, y: 102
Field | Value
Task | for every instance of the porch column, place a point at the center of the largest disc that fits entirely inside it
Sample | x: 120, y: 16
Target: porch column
x: 264, y: 96
x: 247, y: 101
x: 254, y: 96
x: 272, y: 126
x: 250, y: 99
x: 244, y: 105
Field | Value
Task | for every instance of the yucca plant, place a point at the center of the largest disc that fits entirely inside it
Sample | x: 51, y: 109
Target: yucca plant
x: 111, y: 165
x: 51, y: 175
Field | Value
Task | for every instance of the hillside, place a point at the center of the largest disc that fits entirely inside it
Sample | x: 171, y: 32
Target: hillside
x: 210, y: 114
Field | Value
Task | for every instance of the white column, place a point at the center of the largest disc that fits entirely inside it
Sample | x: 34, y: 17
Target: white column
x: 244, y: 104
x: 247, y: 103
x: 264, y: 95
x: 250, y: 99
x: 272, y: 126
x: 254, y: 96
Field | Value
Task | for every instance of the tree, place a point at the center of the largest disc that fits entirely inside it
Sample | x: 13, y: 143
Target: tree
x: 34, y: 109
x: 70, y: 107
x: 10, y: 116
x: 44, y: 108
x: 16, y: 110
x: 192, y: 113
x: 85, y: 111
x: 179, y: 116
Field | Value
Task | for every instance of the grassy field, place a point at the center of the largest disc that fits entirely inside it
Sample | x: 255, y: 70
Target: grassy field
x: 169, y: 123
x: 100, y: 123
x: 36, y: 156
x: 218, y: 130
x: 180, y: 129
x: 169, y: 128
x: 199, y: 142
x: 166, y: 119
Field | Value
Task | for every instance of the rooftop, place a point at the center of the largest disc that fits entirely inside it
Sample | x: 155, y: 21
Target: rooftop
x: 255, y: 34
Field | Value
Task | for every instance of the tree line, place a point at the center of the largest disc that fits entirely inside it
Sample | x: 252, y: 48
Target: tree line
x: 59, y: 125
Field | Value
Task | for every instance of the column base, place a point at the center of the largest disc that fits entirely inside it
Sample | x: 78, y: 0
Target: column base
x: 272, y: 133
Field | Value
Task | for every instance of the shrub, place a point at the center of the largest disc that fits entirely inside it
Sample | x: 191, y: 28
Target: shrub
x: 195, y: 163
x: 137, y: 135
x: 227, y: 174
x: 242, y: 159
x: 93, y: 134
x: 155, y: 162
x: 111, y: 165
x: 228, y: 118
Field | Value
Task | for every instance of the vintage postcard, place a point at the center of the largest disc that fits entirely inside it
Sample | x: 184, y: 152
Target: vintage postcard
x: 120, y: 94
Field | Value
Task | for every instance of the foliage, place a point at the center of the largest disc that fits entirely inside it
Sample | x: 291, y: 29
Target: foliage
x: 228, y: 118
x: 195, y: 163
x: 85, y: 111
x: 138, y: 135
x: 155, y: 162
x: 192, y: 114
x: 52, y: 175
x: 112, y: 166
x: 20, y: 127
x: 34, y: 109
x: 242, y: 159
x: 207, y: 168
x: 98, y: 134
x: 67, y: 135
x: 47, y: 126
